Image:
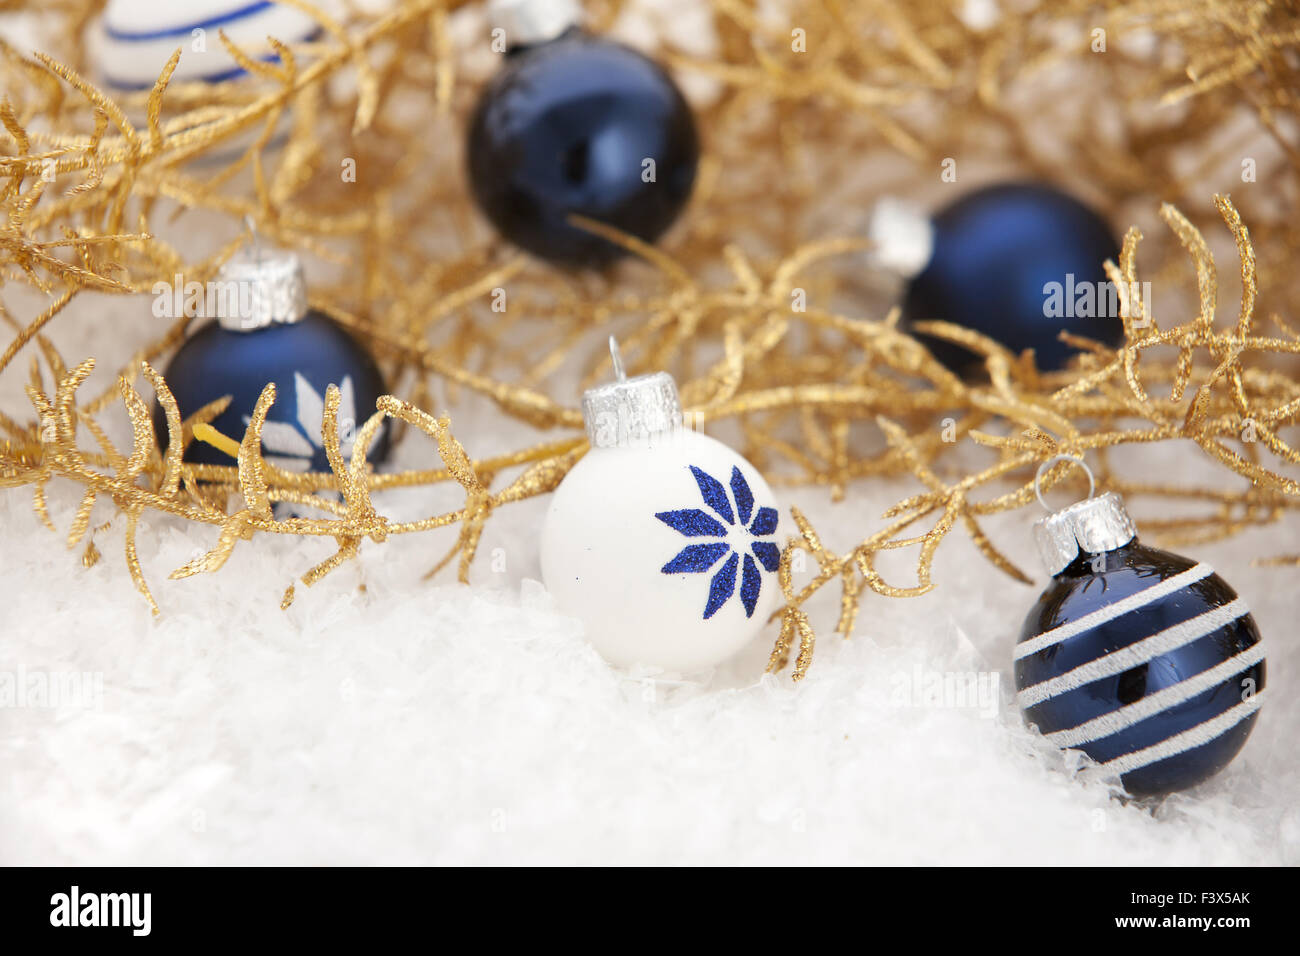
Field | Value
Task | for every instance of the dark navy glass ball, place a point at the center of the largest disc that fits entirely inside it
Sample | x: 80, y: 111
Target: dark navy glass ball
x: 997, y: 253
x: 567, y: 127
x: 1147, y: 662
x: 303, y: 359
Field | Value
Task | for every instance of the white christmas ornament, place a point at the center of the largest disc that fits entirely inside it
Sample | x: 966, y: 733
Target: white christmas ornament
x: 135, y: 38
x: 661, y: 540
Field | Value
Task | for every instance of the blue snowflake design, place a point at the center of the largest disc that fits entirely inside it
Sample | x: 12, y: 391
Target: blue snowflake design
x: 698, y: 558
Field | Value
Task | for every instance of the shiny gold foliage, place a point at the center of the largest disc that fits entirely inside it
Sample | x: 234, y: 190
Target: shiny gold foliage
x: 756, y: 302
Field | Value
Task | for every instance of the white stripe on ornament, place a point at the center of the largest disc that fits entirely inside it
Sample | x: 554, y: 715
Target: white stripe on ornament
x: 1149, y: 648
x: 1161, y: 700
x: 1111, y: 611
x: 1180, y: 743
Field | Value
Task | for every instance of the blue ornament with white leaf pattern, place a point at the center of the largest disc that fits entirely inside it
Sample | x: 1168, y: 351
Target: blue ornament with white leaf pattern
x: 263, y: 332
x: 303, y: 359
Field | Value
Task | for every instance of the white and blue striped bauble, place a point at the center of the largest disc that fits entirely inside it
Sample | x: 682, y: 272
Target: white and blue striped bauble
x: 135, y: 38
x: 1146, y: 661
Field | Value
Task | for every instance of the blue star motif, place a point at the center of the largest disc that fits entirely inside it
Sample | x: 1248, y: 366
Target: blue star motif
x: 698, y: 558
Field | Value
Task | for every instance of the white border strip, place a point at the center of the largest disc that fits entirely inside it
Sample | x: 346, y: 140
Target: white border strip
x: 1149, y: 648
x: 1112, y: 611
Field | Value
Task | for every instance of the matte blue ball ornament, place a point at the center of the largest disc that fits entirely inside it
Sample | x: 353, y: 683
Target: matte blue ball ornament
x: 1146, y: 661
x: 264, y: 332
x: 575, y: 124
x: 1020, y: 263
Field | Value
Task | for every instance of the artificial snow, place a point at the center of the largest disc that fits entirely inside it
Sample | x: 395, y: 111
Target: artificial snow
x: 384, y: 718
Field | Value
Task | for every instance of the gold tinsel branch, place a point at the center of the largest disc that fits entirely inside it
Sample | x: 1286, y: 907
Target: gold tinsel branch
x: 822, y: 394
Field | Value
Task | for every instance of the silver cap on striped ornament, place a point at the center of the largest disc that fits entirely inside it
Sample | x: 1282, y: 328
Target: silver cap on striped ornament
x: 1091, y: 526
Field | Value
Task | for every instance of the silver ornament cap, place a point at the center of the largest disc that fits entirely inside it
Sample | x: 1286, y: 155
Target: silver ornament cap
x: 902, y: 237
x: 526, y: 22
x: 630, y: 410
x: 260, y: 289
x: 1091, y: 526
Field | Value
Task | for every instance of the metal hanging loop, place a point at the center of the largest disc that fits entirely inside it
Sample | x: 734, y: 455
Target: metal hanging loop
x: 1042, y: 470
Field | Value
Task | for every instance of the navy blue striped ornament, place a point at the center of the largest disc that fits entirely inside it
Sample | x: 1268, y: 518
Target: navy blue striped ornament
x: 1146, y: 661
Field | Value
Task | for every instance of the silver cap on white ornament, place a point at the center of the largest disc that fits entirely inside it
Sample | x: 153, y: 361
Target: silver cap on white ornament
x: 1091, y: 526
x: 526, y: 22
x: 662, y: 540
x: 630, y: 410
x: 259, y: 288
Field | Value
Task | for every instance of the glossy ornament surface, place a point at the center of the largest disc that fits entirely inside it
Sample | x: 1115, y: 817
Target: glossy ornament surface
x: 135, y: 38
x: 1146, y: 661
x: 1020, y: 263
x: 582, y: 125
x: 661, y: 540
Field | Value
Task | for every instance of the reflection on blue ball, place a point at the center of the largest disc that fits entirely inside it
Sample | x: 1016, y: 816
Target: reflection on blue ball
x: 1147, y: 662
x: 999, y: 253
x: 303, y: 359
x: 568, y: 127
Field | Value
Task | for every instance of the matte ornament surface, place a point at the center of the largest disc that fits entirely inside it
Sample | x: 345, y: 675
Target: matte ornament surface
x: 698, y: 558
x: 1147, y: 662
x: 569, y: 127
x: 665, y: 550
x: 303, y: 359
x: 997, y: 254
